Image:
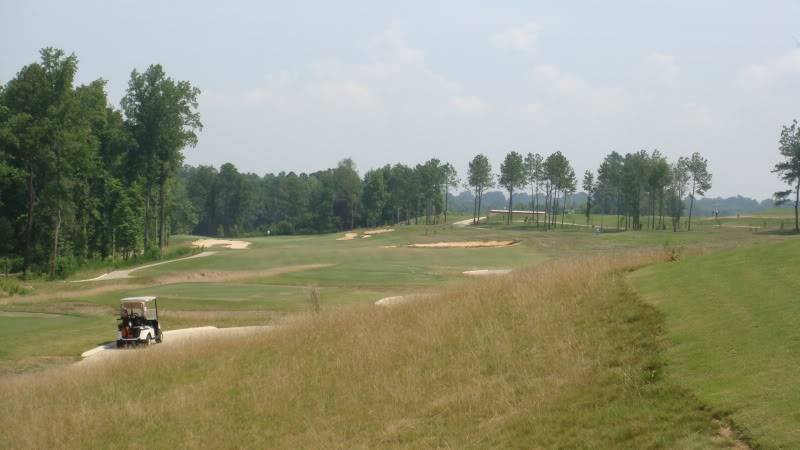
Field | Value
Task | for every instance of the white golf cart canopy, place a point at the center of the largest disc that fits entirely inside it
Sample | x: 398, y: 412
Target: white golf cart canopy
x: 137, y: 299
x: 140, y: 306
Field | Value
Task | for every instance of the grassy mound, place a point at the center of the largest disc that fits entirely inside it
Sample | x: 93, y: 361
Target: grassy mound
x: 732, y: 318
x: 562, y: 355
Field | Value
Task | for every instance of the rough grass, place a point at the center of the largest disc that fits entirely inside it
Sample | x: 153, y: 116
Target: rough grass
x: 732, y: 319
x: 560, y: 356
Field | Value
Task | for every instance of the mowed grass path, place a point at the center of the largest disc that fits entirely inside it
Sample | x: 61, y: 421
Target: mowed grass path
x: 733, y: 319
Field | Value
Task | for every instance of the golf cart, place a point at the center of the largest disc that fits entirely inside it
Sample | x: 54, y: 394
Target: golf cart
x: 138, y: 322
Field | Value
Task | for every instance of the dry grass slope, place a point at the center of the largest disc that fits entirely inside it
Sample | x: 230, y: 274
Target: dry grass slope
x: 561, y: 355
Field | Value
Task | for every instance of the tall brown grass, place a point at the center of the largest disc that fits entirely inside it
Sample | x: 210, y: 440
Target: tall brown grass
x: 560, y: 355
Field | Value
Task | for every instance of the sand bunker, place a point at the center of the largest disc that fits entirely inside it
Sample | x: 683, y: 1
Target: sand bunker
x: 398, y: 299
x: 366, y: 234
x: 388, y: 301
x: 227, y: 243
x: 379, y: 231
x: 466, y: 244
x: 388, y: 246
x: 484, y: 272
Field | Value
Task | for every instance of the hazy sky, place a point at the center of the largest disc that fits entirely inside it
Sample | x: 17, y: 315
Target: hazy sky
x: 300, y: 85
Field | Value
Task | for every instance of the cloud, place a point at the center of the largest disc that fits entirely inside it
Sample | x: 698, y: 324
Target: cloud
x: 467, y: 104
x: 663, y: 66
x: 391, y: 44
x: 561, y: 82
x: 771, y: 72
x: 270, y: 90
x: 213, y: 97
x: 582, y: 95
x: 344, y: 94
x: 521, y: 38
x: 391, y: 76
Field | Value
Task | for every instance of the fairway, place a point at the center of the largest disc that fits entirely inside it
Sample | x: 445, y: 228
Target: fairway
x: 253, y: 286
x: 732, y: 321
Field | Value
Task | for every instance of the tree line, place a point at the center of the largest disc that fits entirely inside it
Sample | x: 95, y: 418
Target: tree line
x: 80, y: 179
x: 227, y: 202
x: 83, y: 180
x: 630, y: 187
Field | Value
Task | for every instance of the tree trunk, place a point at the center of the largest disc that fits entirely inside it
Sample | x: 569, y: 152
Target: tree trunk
x: 588, y: 208
x: 161, y: 217
x: 148, y: 191
x: 56, y: 230
x: 446, y: 194
x: 510, y: 205
x: 28, y: 225
x: 796, y: 205
x: 531, y: 199
x: 556, y: 199
x: 480, y: 200
x: 691, y: 207
x: 353, y: 212
x: 475, y: 207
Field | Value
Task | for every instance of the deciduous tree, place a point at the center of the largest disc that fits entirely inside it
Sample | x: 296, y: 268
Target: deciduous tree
x: 512, y: 176
x: 700, y: 180
x: 479, y: 178
x: 789, y: 168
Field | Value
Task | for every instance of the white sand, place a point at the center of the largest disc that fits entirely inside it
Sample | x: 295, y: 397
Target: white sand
x: 171, y: 337
x: 398, y: 299
x: 484, y: 272
x: 466, y: 244
x: 348, y: 237
x: 378, y: 231
x: 227, y: 243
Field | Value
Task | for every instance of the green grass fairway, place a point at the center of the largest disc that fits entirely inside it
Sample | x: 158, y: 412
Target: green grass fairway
x: 733, y: 319
x: 33, y: 340
x: 358, y: 271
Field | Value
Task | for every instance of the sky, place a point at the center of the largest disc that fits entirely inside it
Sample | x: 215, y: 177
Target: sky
x: 297, y: 86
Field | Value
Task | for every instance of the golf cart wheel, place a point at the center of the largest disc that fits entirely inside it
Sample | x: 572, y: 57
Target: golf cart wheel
x: 120, y: 343
x: 160, y: 338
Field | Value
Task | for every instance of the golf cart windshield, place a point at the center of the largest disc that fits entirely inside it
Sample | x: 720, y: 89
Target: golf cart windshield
x: 138, y: 309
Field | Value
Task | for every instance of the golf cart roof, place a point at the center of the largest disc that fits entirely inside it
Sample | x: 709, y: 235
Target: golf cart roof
x: 137, y: 299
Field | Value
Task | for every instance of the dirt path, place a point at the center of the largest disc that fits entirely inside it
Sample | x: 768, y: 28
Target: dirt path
x: 119, y: 274
x: 466, y: 222
x: 171, y: 338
